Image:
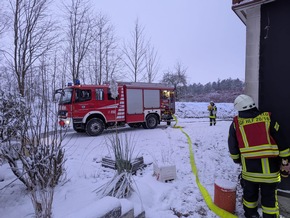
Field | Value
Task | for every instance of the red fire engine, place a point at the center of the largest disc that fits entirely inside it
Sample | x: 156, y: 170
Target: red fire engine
x: 91, y: 108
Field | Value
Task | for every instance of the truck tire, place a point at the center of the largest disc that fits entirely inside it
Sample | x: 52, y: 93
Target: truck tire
x: 95, y: 127
x: 144, y: 125
x: 78, y: 129
x: 151, y: 121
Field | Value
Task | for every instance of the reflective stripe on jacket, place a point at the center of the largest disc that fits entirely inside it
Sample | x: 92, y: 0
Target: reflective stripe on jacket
x: 264, y: 170
x: 253, y: 135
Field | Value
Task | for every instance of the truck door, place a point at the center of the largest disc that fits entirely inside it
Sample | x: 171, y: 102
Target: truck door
x: 134, y: 105
x: 82, y: 102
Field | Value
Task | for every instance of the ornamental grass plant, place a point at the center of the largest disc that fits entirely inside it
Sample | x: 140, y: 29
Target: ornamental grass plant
x: 121, y: 185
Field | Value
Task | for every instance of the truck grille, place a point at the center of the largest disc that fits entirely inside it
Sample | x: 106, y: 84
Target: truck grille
x: 77, y: 120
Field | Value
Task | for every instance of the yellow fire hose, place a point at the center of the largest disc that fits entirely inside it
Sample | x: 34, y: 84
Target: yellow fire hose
x: 206, y: 196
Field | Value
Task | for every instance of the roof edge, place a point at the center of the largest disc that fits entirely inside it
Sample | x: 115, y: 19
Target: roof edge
x: 240, y: 7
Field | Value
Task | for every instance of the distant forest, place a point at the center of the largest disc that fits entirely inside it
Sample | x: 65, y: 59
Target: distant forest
x: 221, y: 91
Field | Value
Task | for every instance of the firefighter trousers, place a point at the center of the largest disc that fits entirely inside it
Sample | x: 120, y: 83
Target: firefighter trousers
x: 212, y: 121
x: 269, y: 200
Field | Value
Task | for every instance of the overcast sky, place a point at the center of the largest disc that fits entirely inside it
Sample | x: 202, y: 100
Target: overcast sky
x: 205, y: 36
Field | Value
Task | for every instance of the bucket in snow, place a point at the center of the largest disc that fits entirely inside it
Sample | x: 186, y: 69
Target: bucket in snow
x: 225, y: 195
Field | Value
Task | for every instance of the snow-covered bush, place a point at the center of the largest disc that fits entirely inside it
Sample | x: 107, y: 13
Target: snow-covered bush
x: 32, y: 145
x: 44, y: 166
x: 12, y: 115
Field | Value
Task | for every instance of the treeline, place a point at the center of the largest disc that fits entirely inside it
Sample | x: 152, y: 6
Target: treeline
x: 220, y: 91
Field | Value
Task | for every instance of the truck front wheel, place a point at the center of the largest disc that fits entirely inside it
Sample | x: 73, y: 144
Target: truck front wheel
x: 95, y: 127
x: 151, y: 121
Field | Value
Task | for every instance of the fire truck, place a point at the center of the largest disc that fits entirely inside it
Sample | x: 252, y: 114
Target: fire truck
x: 92, y: 108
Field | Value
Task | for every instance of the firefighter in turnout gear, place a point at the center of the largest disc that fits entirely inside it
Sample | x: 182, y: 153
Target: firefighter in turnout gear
x: 212, y: 113
x: 256, y: 143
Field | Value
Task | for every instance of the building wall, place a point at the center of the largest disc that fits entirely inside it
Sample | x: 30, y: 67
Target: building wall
x: 267, y: 75
x: 252, y: 53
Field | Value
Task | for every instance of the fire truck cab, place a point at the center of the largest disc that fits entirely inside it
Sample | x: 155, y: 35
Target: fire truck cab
x: 91, y: 108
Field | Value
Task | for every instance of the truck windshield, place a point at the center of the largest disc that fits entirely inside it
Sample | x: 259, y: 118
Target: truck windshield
x: 66, y: 96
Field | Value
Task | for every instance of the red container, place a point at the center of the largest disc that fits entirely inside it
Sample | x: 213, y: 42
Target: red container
x: 225, y: 195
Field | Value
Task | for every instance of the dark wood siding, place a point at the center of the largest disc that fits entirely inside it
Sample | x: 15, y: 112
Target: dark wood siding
x: 274, y: 73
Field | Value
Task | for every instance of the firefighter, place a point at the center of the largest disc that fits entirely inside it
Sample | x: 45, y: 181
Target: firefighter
x: 212, y: 113
x: 252, y: 143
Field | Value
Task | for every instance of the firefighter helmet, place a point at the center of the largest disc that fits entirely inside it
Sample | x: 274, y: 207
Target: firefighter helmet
x: 244, y: 102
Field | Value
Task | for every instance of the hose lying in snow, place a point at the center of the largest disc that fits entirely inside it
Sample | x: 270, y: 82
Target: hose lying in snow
x: 206, y: 196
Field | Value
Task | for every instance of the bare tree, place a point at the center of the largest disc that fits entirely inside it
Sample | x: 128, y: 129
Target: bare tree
x: 134, y: 54
x: 152, y: 63
x: 104, y: 59
x: 180, y: 71
x: 177, y: 78
x: 33, y: 36
x: 113, y: 60
x: 64, y: 64
x: 79, y: 33
x: 4, y: 21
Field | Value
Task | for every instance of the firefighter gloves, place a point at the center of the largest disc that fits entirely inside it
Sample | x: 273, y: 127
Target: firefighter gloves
x: 285, y: 168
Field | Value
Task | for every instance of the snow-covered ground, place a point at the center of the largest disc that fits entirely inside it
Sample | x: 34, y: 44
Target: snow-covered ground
x: 84, y: 173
